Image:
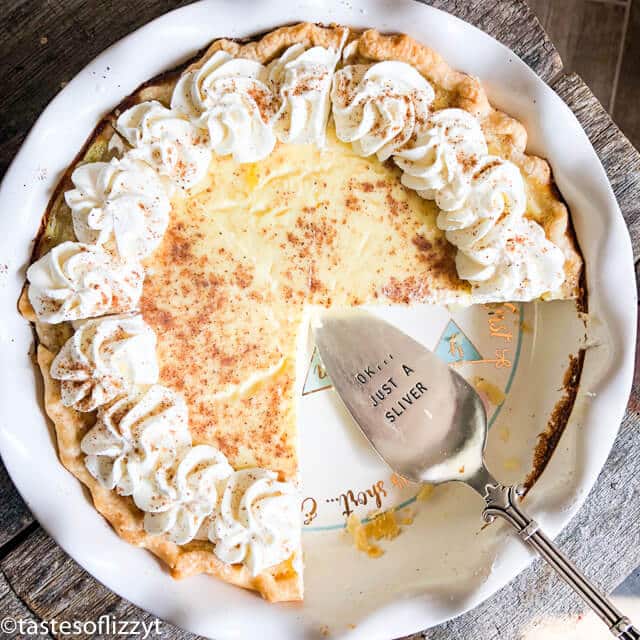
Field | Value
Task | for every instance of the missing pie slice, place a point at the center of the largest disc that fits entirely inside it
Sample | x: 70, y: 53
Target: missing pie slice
x: 181, y: 253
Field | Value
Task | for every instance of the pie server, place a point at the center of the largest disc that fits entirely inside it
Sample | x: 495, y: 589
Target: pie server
x: 429, y: 425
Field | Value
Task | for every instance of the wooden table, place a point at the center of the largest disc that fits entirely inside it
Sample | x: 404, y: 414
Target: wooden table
x: 43, y: 44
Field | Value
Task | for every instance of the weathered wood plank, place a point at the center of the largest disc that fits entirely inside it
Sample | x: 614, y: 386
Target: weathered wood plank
x: 514, y: 24
x: 619, y: 157
x: 14, y: 514
x: 44, y: 44
x: 588, y: 35
x: 627, y: 99
x: 52, y: 586
x: 11, y: 607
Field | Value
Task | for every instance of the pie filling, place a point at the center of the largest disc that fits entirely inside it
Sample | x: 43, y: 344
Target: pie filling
x: 259, y: 191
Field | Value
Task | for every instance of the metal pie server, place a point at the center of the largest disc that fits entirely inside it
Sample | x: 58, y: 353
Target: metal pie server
x: 429, y: 425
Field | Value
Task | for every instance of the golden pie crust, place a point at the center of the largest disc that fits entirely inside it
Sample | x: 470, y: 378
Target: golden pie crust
x: 256, y: 426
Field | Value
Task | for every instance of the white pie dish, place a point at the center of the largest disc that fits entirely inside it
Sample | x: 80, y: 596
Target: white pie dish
x: 398, y: 605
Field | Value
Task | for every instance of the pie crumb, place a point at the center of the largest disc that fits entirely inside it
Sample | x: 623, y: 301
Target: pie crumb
x: 382, y: 525
x: 407, y: 517
x: 511, y: 464
x: 425, y: 492
x: 490, y: 390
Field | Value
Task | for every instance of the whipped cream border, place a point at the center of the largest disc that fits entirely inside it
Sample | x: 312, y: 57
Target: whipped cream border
x: 241, y: 107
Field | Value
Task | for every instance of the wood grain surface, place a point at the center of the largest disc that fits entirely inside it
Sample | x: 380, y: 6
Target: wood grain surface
x: 43, y: 44
x: 12, y: 606
x: 619, y: 157
x: 515, y: 25
x: 14, y: 514
x: 588, y: 35
x: 55, y: 587
x: 600, y: 41
x: 625, y: 109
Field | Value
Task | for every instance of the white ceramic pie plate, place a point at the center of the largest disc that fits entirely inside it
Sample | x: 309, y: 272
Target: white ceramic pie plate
x: 442, y: 564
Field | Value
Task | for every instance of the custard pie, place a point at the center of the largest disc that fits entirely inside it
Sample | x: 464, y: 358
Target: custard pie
x: 208, y: 213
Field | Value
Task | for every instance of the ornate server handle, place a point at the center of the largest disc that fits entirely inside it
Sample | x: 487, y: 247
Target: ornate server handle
x: 503, y: 502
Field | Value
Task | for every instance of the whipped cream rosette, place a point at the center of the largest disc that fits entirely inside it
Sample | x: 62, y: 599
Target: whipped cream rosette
x: 193, y: 495
x: 122, y: 204
x: 134, y: 444
x: 438, y: 165
x: 76, y: 281
x: 258, y: 521
x: 378, y: 108
x: 103, y: 359
x: 500, y: 251
x: 230, y: 98
x: 302, y: 78
x: 167, y: 141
